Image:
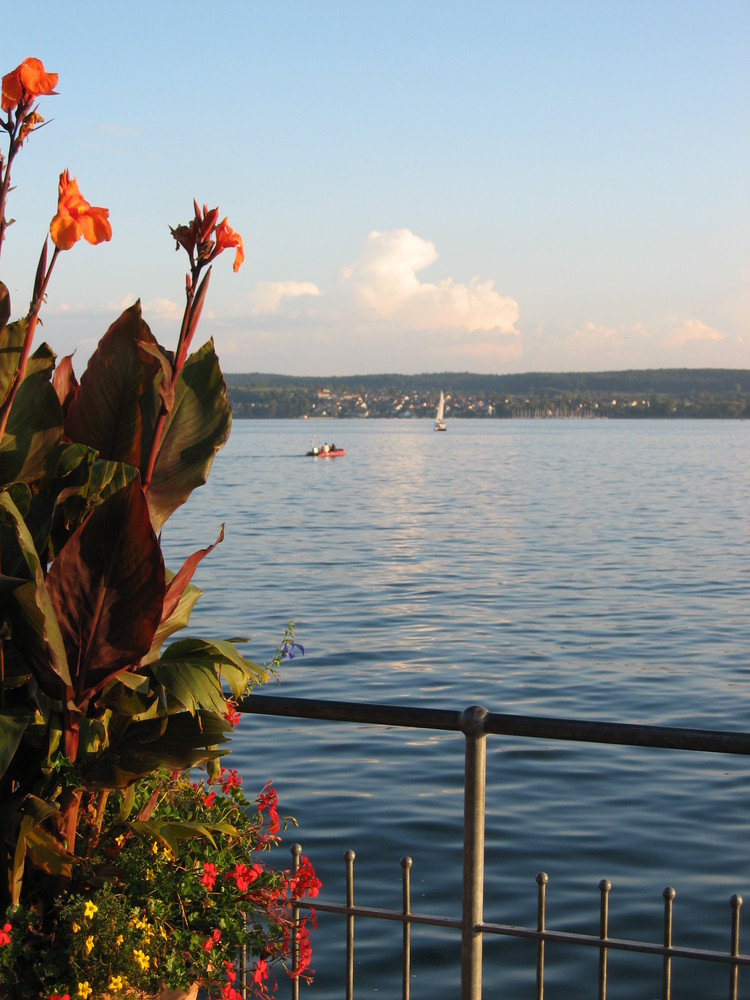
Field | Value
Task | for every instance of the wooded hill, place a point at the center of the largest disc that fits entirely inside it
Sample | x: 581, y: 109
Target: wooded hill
x: 665, y: 392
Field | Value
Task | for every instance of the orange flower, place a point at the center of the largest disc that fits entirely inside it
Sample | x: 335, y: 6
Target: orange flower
x: 226, y: 237
x: 76, y: 218
x: 27, y: 80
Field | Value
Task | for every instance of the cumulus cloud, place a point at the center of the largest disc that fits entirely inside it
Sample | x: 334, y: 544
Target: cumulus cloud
x: 692, y: 330
x: 386, y: 281
x: 163, y: 309
x: 267, y: 297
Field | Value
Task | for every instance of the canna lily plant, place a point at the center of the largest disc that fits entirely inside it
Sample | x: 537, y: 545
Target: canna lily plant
x: 105, y: 713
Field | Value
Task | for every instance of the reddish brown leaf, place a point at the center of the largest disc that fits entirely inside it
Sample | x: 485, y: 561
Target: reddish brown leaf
x: 182, y: 578
x: 106, y: 413
x: 107, y: 588
x: 64, y: 382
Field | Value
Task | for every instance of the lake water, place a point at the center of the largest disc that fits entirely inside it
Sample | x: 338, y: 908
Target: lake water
x: 584, y: 569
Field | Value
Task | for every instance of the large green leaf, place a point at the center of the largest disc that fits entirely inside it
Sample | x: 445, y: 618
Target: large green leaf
x: 12, y: 727
x: 176, y: 743
x: 196, y: 427
x: 4, y: 304
x: 192, y: 682
x: 11, y: 345
x: 84, y: 487
x: 105, y: 412
x: 176, y: 621
x: 34, y: 425
x: 171, y: 832
x: 219, y: 656
x: 36, y: 634
x: 180, y: 599
x: 107, y: 589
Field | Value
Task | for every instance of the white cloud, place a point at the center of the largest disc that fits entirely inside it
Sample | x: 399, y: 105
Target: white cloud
x: 691, y: 330
x: 162, y: 309
x: 386, y: 282
x: 267, y: 297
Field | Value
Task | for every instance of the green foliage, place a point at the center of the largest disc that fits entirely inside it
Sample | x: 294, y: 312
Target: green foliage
x: 99, y: 701
x: 161, y: 899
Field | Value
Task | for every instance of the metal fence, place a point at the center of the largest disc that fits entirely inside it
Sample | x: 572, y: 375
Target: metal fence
x: 476, y: 724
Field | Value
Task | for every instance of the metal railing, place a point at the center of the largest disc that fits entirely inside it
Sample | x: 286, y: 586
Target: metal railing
x: 476, y: 723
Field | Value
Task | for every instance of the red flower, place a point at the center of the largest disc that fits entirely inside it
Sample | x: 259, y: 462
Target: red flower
x: 209, y: 875
x: 244, y: 876
x: 226, y: 237
x: 267, y: 801
x: 305, y: 948
x: 205, y: 237
x: 232, y: 780
x: 260, y: 973
x: 5, y: 935
x: 76, y: 218
x: 232, y: 715
x: 304, y: 882
x: 28, y: 80
x: 210, y: 942
x: 208, y: 800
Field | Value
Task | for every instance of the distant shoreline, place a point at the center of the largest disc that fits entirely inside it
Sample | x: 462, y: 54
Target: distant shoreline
x: 670, y: 393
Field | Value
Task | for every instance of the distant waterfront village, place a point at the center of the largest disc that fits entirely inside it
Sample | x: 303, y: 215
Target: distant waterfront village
x: 671, y: 393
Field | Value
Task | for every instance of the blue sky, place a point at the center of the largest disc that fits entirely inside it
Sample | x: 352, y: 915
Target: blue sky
x: 489, y: 186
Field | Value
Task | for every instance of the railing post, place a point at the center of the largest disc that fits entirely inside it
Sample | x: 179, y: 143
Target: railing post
x: 472, y: 726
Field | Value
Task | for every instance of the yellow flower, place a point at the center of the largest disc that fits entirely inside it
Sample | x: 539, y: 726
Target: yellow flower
x: 150, y: 875
x: 116, y: 984
x: 120, y: 839
x: 163, y: 932
x: 119, y: 940
x: 89, y: 944
x: 155, y: 848
x: 84, y: 991
x: 167, y: 854
x: 89, y: 909
x: 142, y: 959
x: 76, y: 927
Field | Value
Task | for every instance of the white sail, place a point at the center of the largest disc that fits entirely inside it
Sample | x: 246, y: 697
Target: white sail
x: 439, y: 422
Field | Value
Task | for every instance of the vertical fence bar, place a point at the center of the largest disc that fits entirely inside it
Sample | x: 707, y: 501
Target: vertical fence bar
x: 666, y: 975
x: 475, y: 774
x: 406, y: 947
x: 605, y: 887
x: 242, y: 963
x: 349, y: 857
x: 296, y: 850
x: 541, y: 880
x: 734, y: 949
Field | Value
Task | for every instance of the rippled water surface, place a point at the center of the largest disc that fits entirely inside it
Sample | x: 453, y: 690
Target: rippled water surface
x: 594, y: 570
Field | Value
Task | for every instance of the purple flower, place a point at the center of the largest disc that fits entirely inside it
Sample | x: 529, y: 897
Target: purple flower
x: 288, y: 648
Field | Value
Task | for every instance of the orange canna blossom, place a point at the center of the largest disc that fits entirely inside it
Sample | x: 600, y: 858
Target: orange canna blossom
x: 226, y: 237
x: 76, y: 218
x: 30, y: 80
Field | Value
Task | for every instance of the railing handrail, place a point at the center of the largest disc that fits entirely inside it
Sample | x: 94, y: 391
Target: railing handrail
x: 504, y: 724
x: 476, y: 723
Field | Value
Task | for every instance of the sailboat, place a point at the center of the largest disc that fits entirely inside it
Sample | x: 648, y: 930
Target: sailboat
x: 439, y: 422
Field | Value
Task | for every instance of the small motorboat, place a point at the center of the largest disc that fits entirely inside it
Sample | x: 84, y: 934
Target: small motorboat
x: 325, y: 451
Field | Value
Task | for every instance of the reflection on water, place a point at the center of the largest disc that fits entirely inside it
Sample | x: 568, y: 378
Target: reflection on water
x: 581, y: 569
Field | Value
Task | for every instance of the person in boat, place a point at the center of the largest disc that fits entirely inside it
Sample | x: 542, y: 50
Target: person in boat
x: 326, y: 447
